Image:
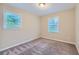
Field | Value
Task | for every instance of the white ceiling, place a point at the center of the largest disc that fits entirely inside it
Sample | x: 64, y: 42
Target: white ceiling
x: 52, y: 7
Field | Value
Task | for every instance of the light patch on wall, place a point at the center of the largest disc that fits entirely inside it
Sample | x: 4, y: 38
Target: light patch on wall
x: 11, y: 20
x: 53, y: 24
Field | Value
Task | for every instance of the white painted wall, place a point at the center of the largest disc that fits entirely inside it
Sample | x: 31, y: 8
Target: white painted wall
x: 29, y: 30
x: 0, y: 24
x: 77, y: 26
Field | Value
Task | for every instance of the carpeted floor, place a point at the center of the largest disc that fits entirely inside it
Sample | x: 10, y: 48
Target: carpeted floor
x: 42, y: 46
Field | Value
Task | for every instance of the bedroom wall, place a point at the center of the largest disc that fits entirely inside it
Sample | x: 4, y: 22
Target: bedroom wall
x: 30, y: 28
x: 66, y: 26
x: 77, y: 26
x: 0, y: 23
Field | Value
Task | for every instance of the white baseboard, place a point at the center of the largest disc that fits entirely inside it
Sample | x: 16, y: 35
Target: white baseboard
x: 60, y: 40
x: 18, y: 44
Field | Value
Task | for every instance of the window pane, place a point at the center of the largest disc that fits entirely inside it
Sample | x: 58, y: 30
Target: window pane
x: 53, y: 24
x: 11, y: 20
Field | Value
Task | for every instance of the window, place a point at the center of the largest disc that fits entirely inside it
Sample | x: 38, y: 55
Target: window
x: 53, y: 24
x: 11, y: 20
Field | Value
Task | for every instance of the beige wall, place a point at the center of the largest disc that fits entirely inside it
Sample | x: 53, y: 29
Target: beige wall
x: 77, y: 26
x: 29, y: 30
x: 0, y: 24
x: 66, y: 27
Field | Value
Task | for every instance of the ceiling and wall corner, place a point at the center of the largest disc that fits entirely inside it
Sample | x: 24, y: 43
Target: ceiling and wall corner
x: 51, y: 8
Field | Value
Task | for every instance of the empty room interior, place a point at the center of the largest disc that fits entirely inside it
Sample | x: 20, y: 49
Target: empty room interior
x: 39, y: 29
